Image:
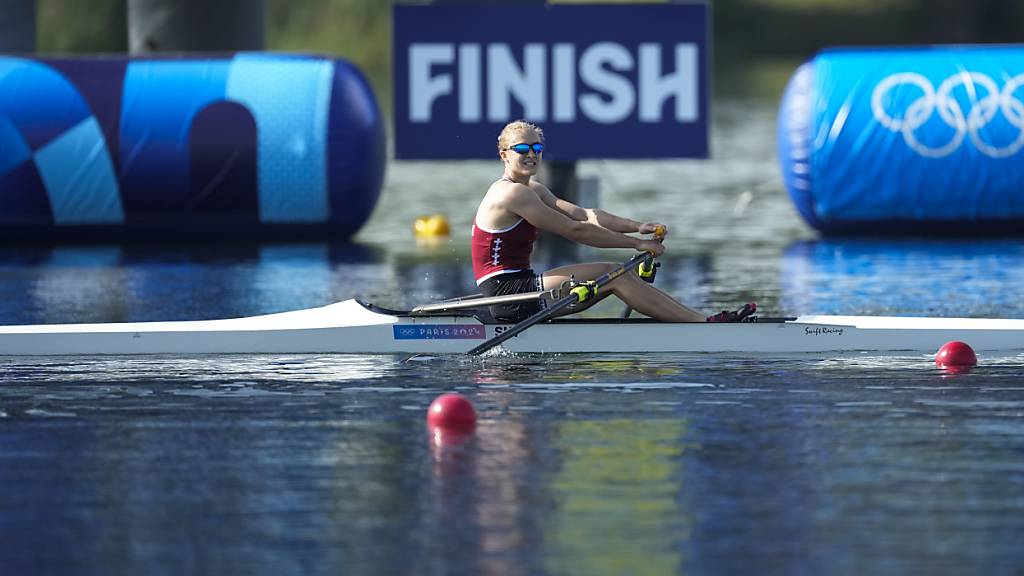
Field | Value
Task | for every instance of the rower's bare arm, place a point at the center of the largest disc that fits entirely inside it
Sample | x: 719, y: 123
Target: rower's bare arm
x: 595, y: 216
x: 562, y: 205
x: 522, y: 201
x: 613, y: 222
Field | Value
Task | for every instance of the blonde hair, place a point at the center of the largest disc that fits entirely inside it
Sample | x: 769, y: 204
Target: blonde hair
x: 513, y: 127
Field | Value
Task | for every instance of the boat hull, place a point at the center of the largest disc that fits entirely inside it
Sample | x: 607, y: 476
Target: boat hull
x: 349, y: 327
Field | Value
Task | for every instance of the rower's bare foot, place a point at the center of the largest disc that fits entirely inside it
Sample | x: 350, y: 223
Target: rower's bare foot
x: 737, y: 316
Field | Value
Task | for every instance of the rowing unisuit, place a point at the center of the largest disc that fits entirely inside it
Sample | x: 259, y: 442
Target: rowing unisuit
x: 501, y: 251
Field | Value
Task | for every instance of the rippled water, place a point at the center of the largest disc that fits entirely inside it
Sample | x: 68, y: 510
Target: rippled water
x: 611, y: 464
x: 642, y: 464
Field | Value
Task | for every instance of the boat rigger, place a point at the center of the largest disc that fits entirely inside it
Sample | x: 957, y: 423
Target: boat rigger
x: 352, y: 327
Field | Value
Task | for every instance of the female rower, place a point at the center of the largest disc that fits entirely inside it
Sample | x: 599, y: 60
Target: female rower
x: 506, y: 226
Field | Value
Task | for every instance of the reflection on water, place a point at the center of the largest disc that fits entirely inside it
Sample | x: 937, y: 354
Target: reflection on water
x: 842, y: 276
x: 669, y: 463
x: 615, y: 464
x: 904, y: 277
x: 634, y: 464
x: 617, y: 493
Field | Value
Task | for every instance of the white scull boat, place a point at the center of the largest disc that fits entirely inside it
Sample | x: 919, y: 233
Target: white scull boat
x: 353, y: 327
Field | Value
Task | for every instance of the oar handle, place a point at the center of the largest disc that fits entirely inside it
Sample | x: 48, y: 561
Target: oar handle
x: 647, y: 266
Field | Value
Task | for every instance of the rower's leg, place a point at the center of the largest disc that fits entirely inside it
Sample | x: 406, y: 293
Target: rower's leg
x: 630, y: 288
x: 560, y: 277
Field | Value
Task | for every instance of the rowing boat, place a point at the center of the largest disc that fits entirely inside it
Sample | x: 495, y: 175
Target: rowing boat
x: 354, y: 327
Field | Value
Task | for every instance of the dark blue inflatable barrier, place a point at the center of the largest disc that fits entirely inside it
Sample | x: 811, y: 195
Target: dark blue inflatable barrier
x: 923, y: 140
x: 253, y: 145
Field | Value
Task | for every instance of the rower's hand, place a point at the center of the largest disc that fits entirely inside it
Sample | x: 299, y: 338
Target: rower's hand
x: 652, y: 227
x: 653, y: 246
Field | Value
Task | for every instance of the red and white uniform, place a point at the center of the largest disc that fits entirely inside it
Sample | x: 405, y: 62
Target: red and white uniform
x: 502, y: 251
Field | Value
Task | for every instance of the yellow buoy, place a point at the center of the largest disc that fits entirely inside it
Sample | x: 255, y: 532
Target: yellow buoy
x: 431, y: 226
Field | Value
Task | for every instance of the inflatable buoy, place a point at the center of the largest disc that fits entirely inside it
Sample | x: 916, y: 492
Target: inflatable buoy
x: 254, y: 145
x: 907, y: 141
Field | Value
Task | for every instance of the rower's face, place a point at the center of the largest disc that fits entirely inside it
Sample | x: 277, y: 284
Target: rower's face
x: 522, y: 163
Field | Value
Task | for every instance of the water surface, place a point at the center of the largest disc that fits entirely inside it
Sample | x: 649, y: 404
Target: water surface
x: 610, y: 464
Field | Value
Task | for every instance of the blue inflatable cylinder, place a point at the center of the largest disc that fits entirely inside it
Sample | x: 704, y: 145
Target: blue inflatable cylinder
x: 922, y: 140
x: 252, y: 145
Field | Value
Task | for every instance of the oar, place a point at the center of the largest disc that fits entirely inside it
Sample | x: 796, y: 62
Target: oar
x: 579, y: 294
x: 481, y: 301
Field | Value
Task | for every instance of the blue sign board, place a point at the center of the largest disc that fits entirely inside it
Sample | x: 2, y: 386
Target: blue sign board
x: 603, y: 81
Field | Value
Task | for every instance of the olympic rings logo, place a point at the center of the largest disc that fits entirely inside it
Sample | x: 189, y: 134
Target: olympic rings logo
x: 982, y: 111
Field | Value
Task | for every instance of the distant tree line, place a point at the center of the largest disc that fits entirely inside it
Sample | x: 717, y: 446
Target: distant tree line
x: 360, y: 29
x: 744, y: 28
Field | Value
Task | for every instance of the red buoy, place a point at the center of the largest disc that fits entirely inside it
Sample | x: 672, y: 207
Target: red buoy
x: 452, y: 412
x: 955, y: 354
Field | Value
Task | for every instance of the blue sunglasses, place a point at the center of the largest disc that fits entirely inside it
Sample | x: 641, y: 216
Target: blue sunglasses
x: 525, y: 148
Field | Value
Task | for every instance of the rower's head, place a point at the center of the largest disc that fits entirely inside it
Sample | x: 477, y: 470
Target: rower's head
x: 520, y: 146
